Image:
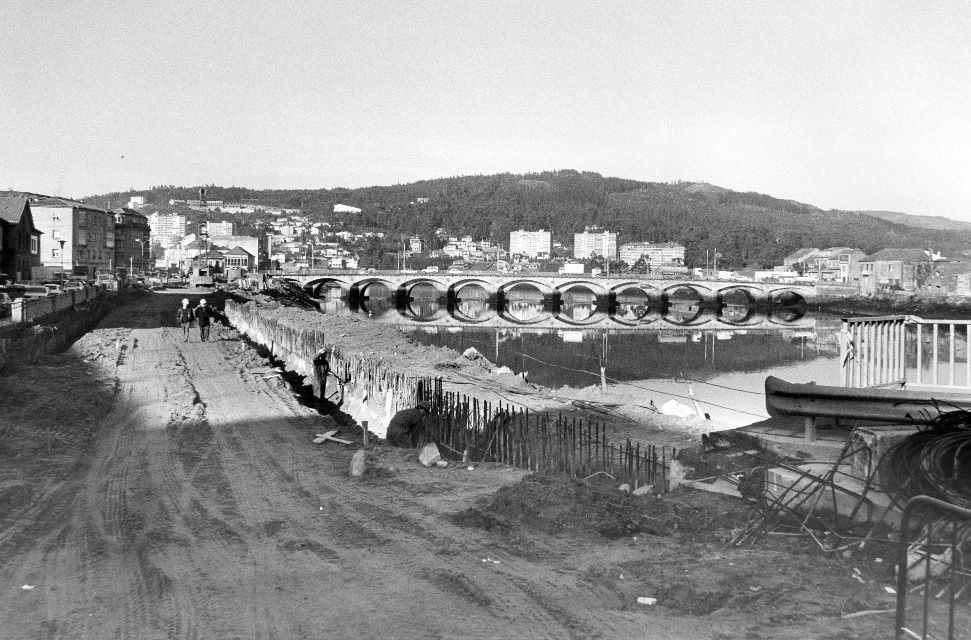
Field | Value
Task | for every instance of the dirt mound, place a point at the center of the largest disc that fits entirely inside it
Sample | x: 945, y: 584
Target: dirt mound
x: 555, y: 503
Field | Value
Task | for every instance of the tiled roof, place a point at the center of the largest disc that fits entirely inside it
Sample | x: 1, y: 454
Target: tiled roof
x: 12, y: 209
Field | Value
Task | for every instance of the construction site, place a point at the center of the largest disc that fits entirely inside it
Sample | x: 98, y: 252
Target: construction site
x: 153, y: 486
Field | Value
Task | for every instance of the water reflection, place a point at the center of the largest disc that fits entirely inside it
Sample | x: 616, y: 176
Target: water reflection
x: 641, y: 343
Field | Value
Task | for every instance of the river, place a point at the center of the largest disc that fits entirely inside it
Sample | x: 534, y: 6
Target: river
x: 720, y: 357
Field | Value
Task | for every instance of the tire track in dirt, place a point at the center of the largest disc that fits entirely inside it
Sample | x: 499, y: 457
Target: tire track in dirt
x: 412, y: 545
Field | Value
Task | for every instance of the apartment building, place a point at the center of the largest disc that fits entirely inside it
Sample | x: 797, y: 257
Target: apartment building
x: 595, y: 241
x: 76, y: 236
x: 653, y: 252
x: 530, y: 243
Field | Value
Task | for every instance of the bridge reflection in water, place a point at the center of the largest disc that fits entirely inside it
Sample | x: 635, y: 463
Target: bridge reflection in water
x: 654, y: 347
x: 573, y: 310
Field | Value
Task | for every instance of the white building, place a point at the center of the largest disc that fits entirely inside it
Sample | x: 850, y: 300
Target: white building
x: 136, y: 201
x: 224, y: 228
x: 654, y: 253
x: 166, y: 228
x: 529, y: 243
x: 594, y: 242
x: 345, y: 208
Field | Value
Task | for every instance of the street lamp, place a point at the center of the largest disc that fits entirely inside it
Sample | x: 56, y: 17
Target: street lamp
x: 61, y: 242
x: 141, y: 255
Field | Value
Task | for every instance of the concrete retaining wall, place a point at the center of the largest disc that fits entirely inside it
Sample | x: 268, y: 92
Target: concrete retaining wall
x: 58, y: 332
x: 29, y: 309
x: 364, y: 389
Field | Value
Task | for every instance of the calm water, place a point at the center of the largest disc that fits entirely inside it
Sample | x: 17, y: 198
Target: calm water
x: 721, y: 356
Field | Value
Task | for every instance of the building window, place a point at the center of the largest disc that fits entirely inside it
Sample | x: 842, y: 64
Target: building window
x: 34, y: 245
x: 55, y: 253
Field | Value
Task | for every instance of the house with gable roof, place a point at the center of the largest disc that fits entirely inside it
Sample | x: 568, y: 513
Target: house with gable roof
x: 19, y: 239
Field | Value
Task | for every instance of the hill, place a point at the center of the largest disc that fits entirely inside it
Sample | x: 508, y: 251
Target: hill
x: 920, y: 222
x: 747, y: 229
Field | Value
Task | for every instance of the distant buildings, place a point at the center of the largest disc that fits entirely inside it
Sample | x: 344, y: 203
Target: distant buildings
x: 530, y: 243
x: 893, y: 269
x: 595, y: 242
x: 344, y: 208
x: 224, y: 228
x: 167, y: 228
x: 652, y: 252
x: 835, y: 264
x: 133, y: 248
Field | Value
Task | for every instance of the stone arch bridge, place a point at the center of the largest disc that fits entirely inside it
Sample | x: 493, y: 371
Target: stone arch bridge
x: 553, y: 287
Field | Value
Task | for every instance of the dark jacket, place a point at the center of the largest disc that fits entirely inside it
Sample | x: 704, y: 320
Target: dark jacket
x: 204, y: 314
x: 184, y: 314
x: 405, y: 427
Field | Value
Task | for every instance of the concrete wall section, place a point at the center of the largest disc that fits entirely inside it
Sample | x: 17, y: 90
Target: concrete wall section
x: 362, y: 388
x: 29, y: 309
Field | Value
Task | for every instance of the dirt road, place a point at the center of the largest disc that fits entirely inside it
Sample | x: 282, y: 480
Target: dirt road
x: 153, y: 488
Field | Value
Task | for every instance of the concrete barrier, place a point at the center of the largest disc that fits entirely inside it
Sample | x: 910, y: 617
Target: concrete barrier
x: 364, y: 389
x: 25, y: 310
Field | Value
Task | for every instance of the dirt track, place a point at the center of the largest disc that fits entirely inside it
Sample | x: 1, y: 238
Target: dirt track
x: 162, y: 489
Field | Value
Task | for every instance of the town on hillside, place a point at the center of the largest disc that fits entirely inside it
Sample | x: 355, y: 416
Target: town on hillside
x: 59, y: 242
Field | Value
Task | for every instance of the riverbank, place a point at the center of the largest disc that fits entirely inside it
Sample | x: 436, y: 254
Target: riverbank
x: 957, y: 307
x: 625, y: 411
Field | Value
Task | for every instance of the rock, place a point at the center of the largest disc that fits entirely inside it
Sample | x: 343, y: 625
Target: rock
x: 357, y: 464
x: 643, y: 491
x: 501, y: 371
x: 624, y: 487
x: 647, y: 601
x: 677, y: 409
x: 429, y: 455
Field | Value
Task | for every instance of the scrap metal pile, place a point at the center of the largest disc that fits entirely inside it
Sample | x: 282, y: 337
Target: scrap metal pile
x: 935, y: 461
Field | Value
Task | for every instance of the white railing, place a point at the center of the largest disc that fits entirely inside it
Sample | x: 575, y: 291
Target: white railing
x: 905, y: 351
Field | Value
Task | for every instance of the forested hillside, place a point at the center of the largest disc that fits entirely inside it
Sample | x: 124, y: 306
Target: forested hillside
x: 747, y: 229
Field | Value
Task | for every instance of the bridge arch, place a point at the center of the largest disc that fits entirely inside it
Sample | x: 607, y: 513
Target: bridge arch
x: 754, y: 296
x: 360, y: 288
x: 472, y: 309
x: 546, y: 289
x: 408, y: 286
x: 786, y: 296
x: 314, y: 287
x: 706, y: 294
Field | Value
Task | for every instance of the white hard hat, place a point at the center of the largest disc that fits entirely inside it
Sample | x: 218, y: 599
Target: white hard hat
x: 185, y: 301
x: 203, y: 301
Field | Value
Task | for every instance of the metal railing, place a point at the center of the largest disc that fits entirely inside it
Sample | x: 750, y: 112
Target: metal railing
x: 903, y: 350
x: 935, y: 536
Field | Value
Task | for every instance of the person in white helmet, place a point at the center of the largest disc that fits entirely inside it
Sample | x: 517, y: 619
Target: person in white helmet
x: 204, y: 314
x: 184, y: 318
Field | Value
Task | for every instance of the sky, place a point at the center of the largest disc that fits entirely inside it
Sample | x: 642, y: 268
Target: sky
x: 843, y: 105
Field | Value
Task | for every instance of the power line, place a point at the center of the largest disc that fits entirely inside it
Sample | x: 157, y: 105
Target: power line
x: 639, y: 386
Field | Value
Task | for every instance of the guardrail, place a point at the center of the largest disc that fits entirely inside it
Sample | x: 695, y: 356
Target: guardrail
x: 903, y: 350
x: 932, y: 561
x: 23, y: 310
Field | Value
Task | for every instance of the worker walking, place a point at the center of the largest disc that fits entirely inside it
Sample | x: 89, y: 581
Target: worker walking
x: 204, y: 314
x: 184, y: 318
x: 405, y: 427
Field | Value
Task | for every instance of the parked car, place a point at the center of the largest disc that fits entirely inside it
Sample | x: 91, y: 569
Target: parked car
x: 73, y: 286
x: 35, y: 291
x: 53, y: 289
